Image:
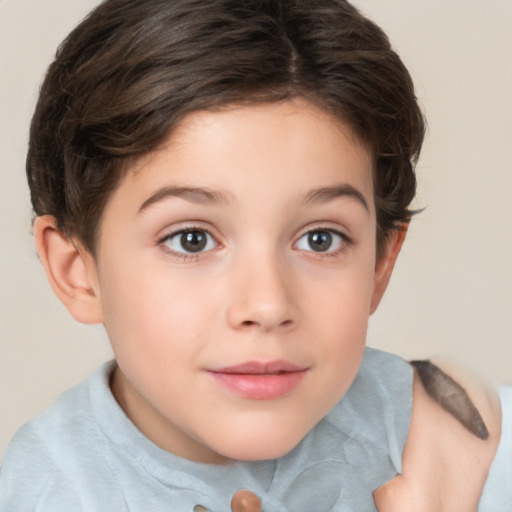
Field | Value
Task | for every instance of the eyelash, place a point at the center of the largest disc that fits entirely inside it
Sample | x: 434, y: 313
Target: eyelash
x: 186, y: 256
x: 344, y: 241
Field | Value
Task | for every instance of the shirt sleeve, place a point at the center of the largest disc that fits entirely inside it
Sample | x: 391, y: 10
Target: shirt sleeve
x: 497, y: 494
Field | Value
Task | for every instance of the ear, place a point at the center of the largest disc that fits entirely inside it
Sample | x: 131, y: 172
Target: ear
x: 70, y: 269
x: 385, y: 264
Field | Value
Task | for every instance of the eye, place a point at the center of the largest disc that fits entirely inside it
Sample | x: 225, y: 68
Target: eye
x: 189, y: 241
x: 322, y: 240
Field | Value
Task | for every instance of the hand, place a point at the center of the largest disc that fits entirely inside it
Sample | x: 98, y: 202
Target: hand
x: 444, y: 465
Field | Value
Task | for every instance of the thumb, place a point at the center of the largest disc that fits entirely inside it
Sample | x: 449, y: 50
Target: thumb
x: 396, y: 496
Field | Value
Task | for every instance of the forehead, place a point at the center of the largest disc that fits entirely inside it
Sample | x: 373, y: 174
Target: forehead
x: 289, y: 148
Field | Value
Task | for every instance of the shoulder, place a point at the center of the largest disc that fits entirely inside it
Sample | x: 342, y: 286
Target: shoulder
x: 383, y: 388
x: 445, y: 465
x: 42, y: 459
x: 383, y: 381
x: 381, y: 394
x: 63, y: 423
x: 383, y: 373
x: 41, y: 436
x: 29, y: 477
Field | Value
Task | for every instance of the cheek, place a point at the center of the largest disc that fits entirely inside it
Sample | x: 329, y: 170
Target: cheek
x: 153, y: 314
x: 341, y: 313
x: 341, y: 301
x: 344, y: 337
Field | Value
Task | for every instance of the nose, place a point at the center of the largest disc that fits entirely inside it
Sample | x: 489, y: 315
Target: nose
x: 262, y: 296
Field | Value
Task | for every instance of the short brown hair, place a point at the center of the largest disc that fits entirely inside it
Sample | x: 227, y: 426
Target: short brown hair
x: 133, y: 69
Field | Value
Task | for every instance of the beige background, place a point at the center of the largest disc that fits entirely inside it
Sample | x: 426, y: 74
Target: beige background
x: 452, y: 290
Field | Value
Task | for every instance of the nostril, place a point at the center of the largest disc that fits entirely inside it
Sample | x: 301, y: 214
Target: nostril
x: 251, y: 323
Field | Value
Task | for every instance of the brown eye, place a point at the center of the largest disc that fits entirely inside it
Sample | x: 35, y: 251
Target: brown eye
x: 190, y: 241
x: 321, y: 240
x: 193, y: 241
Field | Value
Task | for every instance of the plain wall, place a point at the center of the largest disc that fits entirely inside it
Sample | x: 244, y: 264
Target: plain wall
x: 452, y: 289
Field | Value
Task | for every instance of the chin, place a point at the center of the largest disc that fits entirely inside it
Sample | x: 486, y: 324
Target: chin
x: 261, y: 447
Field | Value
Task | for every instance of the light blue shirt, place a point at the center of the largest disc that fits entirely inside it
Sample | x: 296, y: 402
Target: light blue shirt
x: 497, y: 494
x: 84, y: 455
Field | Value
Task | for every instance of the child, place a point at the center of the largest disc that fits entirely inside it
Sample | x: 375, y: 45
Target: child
x: 225, y: 186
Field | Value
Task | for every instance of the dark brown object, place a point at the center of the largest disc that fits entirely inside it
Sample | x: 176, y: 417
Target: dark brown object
x: 451, y: 397
x: 245, y: 501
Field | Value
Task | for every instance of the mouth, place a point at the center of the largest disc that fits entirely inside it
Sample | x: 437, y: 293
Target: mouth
x: 260, y: 380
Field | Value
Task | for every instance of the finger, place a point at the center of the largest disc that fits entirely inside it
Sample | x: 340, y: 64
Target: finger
x: 245, y: 501
x: 394, y: 496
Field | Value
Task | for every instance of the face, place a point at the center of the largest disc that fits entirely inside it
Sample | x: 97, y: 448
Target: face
x: 235, y: 269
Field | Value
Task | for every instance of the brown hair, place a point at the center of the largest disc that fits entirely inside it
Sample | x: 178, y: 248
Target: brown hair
x: 133, y: 69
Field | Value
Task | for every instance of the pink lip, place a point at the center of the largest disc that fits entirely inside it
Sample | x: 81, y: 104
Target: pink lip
x: 260, y: 381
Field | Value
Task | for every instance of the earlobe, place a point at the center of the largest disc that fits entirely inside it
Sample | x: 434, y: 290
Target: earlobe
x: 70, y: 270
x: 385, y: 264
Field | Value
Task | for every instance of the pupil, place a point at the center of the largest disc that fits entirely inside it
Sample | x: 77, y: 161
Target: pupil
x: 320, y: 241
x: 193, y: 241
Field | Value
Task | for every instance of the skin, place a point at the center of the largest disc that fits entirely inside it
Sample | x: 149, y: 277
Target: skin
x: 444, y: 466
x: 256, y: 181
x: 258, y: 293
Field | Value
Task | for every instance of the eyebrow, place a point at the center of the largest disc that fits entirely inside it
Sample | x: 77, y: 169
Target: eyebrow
x: 205, y: 196
x: 196, y: 195
x: 325, y: 194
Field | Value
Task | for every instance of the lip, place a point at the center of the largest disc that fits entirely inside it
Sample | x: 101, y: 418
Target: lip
x: 260, y: 380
